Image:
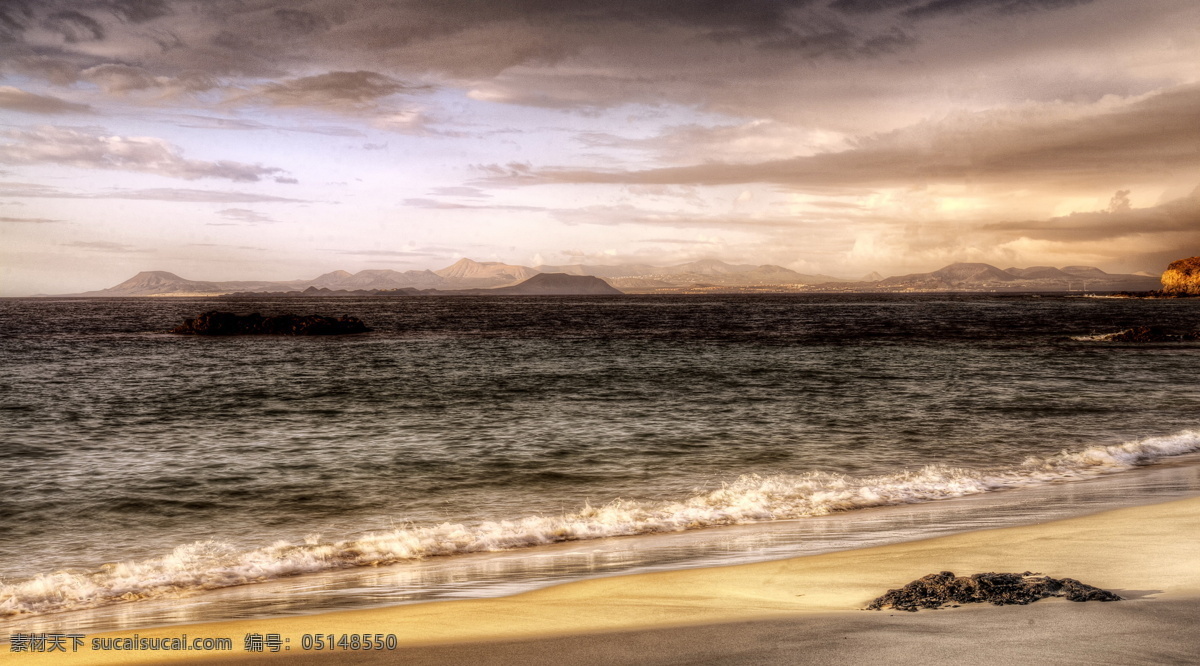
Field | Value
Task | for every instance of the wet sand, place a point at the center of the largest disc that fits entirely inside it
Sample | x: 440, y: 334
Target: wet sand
x: 801, y: 610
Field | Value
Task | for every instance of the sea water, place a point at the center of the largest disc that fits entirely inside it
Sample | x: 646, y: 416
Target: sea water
x: 474, y: 446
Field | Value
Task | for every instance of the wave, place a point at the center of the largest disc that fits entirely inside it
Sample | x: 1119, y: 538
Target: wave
x: 210, y: 565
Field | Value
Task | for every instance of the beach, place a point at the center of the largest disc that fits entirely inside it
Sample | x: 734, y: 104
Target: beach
x: 799, y: 610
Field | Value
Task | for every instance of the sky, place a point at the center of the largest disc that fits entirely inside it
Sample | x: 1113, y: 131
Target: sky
x: 275, y: 140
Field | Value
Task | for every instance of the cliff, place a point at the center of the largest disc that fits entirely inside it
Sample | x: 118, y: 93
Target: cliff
x: 1182, y: 277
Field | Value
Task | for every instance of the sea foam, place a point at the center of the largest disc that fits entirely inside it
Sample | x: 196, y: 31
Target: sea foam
x: 211, y: 565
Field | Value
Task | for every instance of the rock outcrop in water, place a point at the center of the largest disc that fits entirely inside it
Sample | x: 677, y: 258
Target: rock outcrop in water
x: 1182, y: 277
x: 1000, y: 589
x: 228, y: 323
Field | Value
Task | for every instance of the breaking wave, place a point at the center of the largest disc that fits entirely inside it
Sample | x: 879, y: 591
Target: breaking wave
x: 211, y: 565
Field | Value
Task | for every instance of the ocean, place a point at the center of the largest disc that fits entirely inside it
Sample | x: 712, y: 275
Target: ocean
x: 475, y: 446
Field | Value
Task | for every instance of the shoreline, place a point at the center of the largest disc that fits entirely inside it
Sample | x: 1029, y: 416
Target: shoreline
x: 749, y: 612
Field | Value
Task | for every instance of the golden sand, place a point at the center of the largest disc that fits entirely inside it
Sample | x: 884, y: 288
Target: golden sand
x: 801, y: 610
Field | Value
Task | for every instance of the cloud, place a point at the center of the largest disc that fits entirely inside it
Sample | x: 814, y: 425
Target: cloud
x: 90, y: 149
x: 940, y: 7
x: 74, y: 26
x: 1064, y: 147
x: 15, y: 99
x: 919, y: 9
x: 1134, y: 239
x: 209, y: 122
x: 235, y: 247
x: 103, y: 246
x: 434, y: 204
x: 246, y: 216
x: 460, y: 191
x: 180, y: 195
x: 138, y: 11
x: 751, y: 141
x: 1120, y: 221
x: 122, y: 79
x: 352, y: 92
x: 390, y: 253
x: 626, y: 214
x: 789, y: 60
x: 28, y: 220
x: 678, y: 241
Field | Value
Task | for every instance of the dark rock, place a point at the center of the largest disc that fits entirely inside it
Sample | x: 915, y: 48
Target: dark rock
x: 1000, y: 589
x: 228, y: 323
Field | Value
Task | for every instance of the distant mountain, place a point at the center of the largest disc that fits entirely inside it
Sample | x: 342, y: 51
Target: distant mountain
x: 466, y: 273
x: 1039, y: 273
x: 330, y: 279
x: 628, y: 283
x: 871, y: 277
x: 707, y: 271
x: 1085, y: 271
x: 972, y: 273
x: 162, y: 283
x: 384, y: 279
x: 705, y: 274
x: 711, y: 273
x: 712, y: 267
x: 985, y: 277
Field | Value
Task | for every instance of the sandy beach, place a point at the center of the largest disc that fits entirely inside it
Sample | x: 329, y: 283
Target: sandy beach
x: 801, y: 610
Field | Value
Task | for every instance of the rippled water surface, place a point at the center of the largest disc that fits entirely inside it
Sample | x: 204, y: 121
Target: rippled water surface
x: 139, y: 464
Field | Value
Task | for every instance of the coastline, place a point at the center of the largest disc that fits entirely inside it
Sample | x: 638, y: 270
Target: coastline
x: 765, y: 612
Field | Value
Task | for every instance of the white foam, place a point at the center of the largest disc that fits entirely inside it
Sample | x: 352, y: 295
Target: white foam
x: 210, y: 565
x: 1098, y: 337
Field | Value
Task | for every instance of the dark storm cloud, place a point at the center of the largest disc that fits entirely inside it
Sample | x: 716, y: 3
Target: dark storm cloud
x: 928, y: 8
x: 137, y: 11
x: 1083, y: 149
x: 300, y: 22
x: 74, y: 26
x: 734, y: 57
x: 231, y: 37
x: 15, y: 16
x: 337, y: 90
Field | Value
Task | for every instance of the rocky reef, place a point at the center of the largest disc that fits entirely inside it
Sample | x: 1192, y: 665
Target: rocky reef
x: 1182, y: 277
x: 228, y: 323
x: 936, y: 590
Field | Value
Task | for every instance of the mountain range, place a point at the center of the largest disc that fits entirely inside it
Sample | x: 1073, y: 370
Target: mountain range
x: 703, y: 275
x: 985, y: 277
